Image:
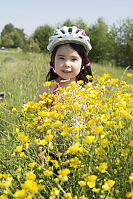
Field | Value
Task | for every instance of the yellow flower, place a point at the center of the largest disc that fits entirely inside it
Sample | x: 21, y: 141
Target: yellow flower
x: 21, y: 154
x: 48, y: 158
x: 47, y: 84
x: 91, y: 181
x: 83, y: 197
x: 110, y: 197
x: 125, y: 152
x: 130, y: 143
x: 48, y: 173
x: 58, y: 154
x: 108, y: 184
x: 102, y: 167
x: 129, y: 75
x: 104, y: 142
x: 99, y: 151
x: 18, y: 170
x: 23, y: 137
x: 20, y: 193
x: 32, y: 164
x: 74, y: 162
x: 74, y: 148
x: 31, y: 186
x: 117, y: 161
x: 2, y: 196
x: 129, y: 194
x: 97, y: 129
x: 30, y: 176
x: 64, y: 172
x: 18, y: 148
x: 82, y: 183
x: 29, y: 197
x: 89, y: 139
x: 96, y: 190
x: 131, y: 178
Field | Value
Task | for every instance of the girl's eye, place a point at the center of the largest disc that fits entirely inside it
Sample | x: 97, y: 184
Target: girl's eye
x: 61, y: 58
x: 74, y: 59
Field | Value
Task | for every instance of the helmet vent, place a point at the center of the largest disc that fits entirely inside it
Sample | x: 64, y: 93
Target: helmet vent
x: 60, y: 37
x: 77, y: 31
x: 70, y: 30
x: 80, y: 37
x: 62, y: 31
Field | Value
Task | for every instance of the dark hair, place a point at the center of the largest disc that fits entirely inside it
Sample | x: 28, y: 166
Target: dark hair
x: 85, y: 69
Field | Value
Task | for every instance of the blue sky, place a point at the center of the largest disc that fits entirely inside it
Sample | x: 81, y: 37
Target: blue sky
x: 29, y: 14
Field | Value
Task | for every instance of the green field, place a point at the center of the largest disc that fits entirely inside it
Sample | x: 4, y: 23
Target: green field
x: 21, y: 75
x: 79, y: 148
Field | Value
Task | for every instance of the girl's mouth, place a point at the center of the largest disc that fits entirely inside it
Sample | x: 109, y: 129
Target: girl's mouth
x: 67, y: 72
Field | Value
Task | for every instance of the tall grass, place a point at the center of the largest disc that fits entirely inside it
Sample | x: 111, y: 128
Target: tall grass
x: 86, y: 137
x: 21, y: 75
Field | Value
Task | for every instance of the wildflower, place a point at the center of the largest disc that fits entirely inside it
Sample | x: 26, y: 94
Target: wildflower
x: 14, y: 109
x: 47, y: 84
x: 32, y: 164
x: 48, y: 173
x: 2, y: 197
x: 97, y: 129
x: 89, y: 139
x: 23, y: 137
x: 117, y: 161
x: 110, y: 197
x: 31, y: 186
x: 102, y: 167
x: 129, y: 194
x: 18, y: 148
x: 130, y: 143
x: 68, y: 195
x: 104, y: 142
x: 74, y: 162
x: 129, y: 75
x: 20, y: 193
x: 29, y: 197
x: 99, y: 150
x: 30, y: 176
x: 125, y: 152
x: 18, y: 170
x: 91, y: 181
x: 21, y: 154
x: 64, y: 172
x: 82, y: 183
x: 83, y: 197
x: 108, y: 184
x: 96, y: 190
x: 131, y: 178
x: 74, y: 148
x: 58, y: 154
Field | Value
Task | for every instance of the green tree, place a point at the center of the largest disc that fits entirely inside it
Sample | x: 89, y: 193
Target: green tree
x: 33, y: 46
x: 12, y: 37
x: 100, y: 41
x: 7, y: 41
x: 8, y: 28
x: 68, y: 23
x: 41, y: 36
x: 124, y: 43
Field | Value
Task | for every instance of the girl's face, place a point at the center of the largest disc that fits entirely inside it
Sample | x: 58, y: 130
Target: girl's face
x: 67, y: 62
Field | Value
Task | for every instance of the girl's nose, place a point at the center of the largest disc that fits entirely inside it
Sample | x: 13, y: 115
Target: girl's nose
x: 67, y: 64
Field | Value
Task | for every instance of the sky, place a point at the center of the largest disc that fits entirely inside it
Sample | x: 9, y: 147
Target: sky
x: 30, y: 14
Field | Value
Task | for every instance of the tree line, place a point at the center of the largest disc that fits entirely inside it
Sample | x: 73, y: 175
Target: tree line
x: 112, y: 44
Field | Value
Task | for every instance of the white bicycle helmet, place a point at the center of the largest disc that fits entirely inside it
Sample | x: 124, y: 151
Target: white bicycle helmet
x: 69, y: 35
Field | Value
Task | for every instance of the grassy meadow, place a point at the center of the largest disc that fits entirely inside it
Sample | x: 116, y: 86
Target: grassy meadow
x: 21, y: 75
x: 79, y: 148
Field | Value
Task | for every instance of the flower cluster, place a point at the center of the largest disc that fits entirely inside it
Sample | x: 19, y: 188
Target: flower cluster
x: 75, y: 144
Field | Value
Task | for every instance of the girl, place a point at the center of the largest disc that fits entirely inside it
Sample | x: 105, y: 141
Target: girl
x: 69, y: 47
